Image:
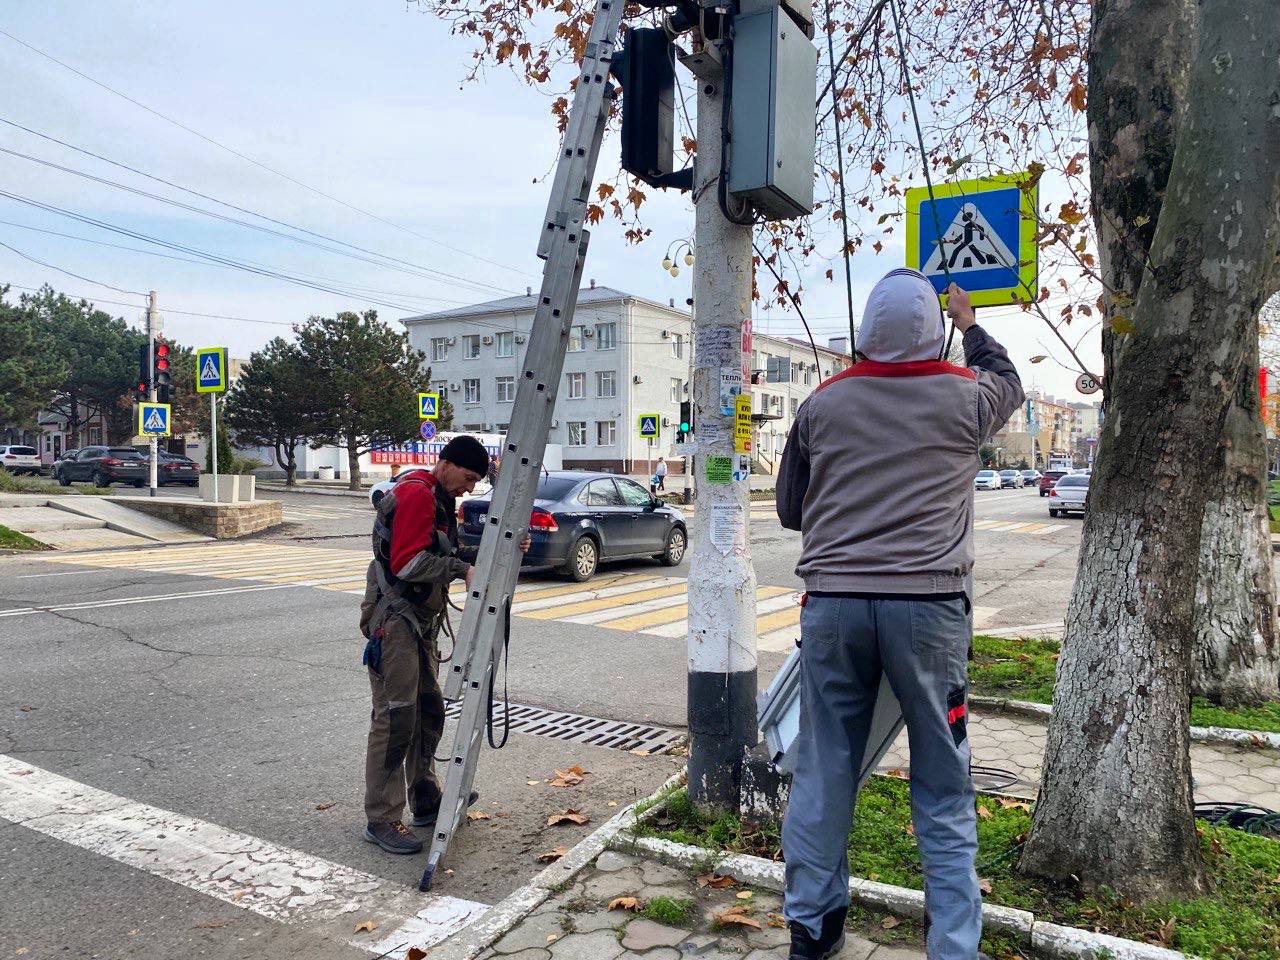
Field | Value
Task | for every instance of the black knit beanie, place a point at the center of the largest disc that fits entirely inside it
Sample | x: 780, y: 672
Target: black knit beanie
x: 467, y: 452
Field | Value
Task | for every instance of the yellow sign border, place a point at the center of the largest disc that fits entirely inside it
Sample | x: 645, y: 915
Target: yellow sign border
x: 143, y: 407
x: 422, y: 396
x: 1028, y: 270
x: 204, y: 352
x: 657, y: 426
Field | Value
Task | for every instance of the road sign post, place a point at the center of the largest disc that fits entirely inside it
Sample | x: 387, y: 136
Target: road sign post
x: 980, y: 233
x: 211, y: 378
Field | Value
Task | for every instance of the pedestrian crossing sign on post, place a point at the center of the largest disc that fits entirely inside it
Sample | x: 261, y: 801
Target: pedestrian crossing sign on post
x: 211, y: 370
x: 981, y: 234
x: 428, y: 406
x: 648, y: 425
x: 153, y: 419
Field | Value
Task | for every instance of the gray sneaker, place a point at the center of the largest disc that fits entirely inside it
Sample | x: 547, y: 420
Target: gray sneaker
x: 428, y: 817
x: 393, y: 837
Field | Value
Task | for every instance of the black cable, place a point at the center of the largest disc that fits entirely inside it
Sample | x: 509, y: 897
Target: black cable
x: 794, y: 302
x: 50, y: 266
x: 747, y: 218
x: 844, y: 214
x: 506, y: 696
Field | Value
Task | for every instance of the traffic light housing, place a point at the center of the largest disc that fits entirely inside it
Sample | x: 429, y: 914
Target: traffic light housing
x: 143, y: 386
x: 645, y: 67
x: 163, y: 375
x: 686, y: 421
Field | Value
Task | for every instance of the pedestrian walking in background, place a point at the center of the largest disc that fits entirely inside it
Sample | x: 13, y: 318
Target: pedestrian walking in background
x: 887, y: 556
x: 660, y: 473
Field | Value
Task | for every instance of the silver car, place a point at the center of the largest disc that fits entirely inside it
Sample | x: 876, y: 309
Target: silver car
x: 986, y: 480
x: 17, y: 460
x: 1011, y: 478
x: 1068, y: 494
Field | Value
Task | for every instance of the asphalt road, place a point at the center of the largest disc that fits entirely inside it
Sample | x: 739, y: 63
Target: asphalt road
x: 166, y: 704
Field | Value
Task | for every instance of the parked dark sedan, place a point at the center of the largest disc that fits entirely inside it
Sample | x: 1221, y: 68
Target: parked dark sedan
x: 581, y: 519
x: 103, y: 465
x: 175, y: 468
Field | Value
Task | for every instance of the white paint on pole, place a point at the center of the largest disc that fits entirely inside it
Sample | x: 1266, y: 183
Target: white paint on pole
x: 213, y: 441
x: 153, y: 324
x: 273, y: 881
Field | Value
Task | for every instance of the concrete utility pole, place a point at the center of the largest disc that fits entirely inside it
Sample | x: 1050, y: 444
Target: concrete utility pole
x: 153, y: 329
x: 722, y: 584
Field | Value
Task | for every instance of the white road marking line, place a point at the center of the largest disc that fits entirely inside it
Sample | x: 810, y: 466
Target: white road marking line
x: 1048, y: 529
x: 126, y: 601
x: 273, y: 881
x: 599, y: 616
x: 681, y: 627
x: 586, y: 593
x: 67, y: 573
x: 779, y: 640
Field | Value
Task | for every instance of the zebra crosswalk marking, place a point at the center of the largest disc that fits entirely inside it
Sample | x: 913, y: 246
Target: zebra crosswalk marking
x: 560, y: 610
x: 1017, y: 526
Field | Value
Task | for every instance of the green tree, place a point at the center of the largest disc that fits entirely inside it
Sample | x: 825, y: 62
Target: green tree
x: 225, y: 455
x: 364, y: 379
x: 271, y: 401
x: 31, y: 366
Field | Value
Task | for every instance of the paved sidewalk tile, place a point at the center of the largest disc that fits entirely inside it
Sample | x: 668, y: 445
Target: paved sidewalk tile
x: 577, y: 924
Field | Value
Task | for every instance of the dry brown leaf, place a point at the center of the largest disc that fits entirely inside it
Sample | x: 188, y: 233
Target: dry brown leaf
x: 26, y: 709
x: 984, y: 885
x: 415, y: 954
x: 775, y: 920
x: 478, y: 815
x: 211, y: 925
x: 240, y: 893
x: 716, y: 881
x: 366, y: 926
x: 326, y: 806
x: 984, y: 813
x: 21, y: 951
x: 1010, y: 804
x: 638, y: 752
x: 569, y: 815
x: 736, y: 915
x: 552, y: 937
x: 613, y: 803
x: 911, y: 829
x: 533, y: 783
x: 888, y: 923
x: 745, y: 894
x: 626, y: 903
x: 551, y: 856
x: 134, y: 932
x: 568, y: 778
x: 895, y: 772
x: 23, y: 773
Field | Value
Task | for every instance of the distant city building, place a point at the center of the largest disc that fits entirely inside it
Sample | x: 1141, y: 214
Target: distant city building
x: 1054, y: 427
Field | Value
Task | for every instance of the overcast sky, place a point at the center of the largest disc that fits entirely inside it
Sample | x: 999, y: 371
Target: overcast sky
x: 362, y: 101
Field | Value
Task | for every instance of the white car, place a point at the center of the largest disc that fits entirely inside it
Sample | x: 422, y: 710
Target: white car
x: 1011, y: 478
x: 18, y: 460
x: 381, y: 489
x: 1069, y: 494
x: 986, y: 480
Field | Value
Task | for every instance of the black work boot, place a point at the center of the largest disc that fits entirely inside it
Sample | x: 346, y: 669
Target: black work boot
x: 426, y: 817
x: 393, y: 837
x: 804, y: 947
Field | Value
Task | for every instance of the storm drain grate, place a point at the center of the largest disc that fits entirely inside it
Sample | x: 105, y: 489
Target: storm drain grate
x: 574, y: 727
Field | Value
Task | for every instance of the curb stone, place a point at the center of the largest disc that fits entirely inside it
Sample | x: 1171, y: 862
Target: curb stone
x: 1219, y: 736
x: 493, y: 923
x: 313, y: 491
x: 1046, y: 939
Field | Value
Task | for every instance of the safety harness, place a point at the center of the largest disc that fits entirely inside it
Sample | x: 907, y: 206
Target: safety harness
x: 401, y: 597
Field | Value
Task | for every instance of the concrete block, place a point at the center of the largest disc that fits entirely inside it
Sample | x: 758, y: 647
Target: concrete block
x: 1052, y: 940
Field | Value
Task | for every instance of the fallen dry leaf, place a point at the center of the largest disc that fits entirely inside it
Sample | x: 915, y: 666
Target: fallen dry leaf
x: 134, y: 932
x: 478, y: 815
x: 240, y: 893
x: 613, y: 803
x: 897, y: 773
x: 888, y: 923
x: 23, y: 773
x: 21, y: 950
x: 745, y: 894
x: 1010, y: 804
x: 211, y: 925
x: 552, y: 937
x: 415, y: 954
x: 26, y: 709
x: 736, y: 915
x: 716, y: 881
x: 638, y: 752
x: 533, y: 783
x: 569, y: 815
x: 551, y: 856
x: 776, y: 920
x: 366, y: 926
x: 911, y: 829
x: 984, y: 885
x: 326, y: 806
x: 626, y: 903
x: 984, y: 813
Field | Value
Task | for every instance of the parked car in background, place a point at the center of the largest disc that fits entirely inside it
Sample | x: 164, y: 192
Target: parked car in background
x: 1011, y: 478
x: 1030, y: 477
x: 581, y: 519
x: 1069, y: 494
x: 986, y: 480
x: 175, y: 468
x: 103, y: 466
x: 18, y: 459
x: 1048, y: 479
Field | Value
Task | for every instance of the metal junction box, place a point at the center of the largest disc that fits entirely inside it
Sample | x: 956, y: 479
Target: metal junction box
x: 773, y: 127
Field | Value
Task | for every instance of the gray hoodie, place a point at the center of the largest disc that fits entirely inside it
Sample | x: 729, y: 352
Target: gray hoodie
x: 878, y: 469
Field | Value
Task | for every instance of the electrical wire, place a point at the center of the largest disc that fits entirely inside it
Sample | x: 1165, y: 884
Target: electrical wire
x: 256, y: 163
x: 844, y: 213
x: 794, y: 302
x: 50, y: 266
x: 167, y: 310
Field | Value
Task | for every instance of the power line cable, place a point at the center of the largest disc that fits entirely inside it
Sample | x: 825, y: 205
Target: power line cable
x: 844, y: 213
x: 256, y: 163
x: 166, y: 310
x: 50, y: 266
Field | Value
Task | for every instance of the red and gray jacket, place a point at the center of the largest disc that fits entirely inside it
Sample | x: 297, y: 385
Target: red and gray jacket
x: 878, y: 470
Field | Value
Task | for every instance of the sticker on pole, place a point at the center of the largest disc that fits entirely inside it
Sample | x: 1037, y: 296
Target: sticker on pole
x: 742, y: 424
x: 428, y: 430
x: 647, y: 424
x: 153, y: 419
x: 211, y: 369
x: 979, y: 234
x: 428, y: 406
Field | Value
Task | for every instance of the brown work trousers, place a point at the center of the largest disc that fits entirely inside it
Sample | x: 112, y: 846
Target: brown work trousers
x: 405, y: 725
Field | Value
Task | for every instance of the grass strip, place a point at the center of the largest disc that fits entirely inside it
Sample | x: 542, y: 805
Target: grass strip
x: 13, y: 484
x: 1240, y: 920
x: 13, y: 540
x: 1022, y: 668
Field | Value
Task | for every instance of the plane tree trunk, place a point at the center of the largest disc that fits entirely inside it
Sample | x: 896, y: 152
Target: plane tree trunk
x: 1115, y: 805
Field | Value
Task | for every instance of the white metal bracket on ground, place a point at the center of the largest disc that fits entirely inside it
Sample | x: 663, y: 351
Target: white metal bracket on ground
x: 563, y: 245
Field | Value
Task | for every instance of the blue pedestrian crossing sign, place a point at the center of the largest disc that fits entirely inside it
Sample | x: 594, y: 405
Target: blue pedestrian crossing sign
x: 981, y: 234
x: 153, y: 419
x: 648, y: 424
x: 428, y: 406
x: 211, y: 369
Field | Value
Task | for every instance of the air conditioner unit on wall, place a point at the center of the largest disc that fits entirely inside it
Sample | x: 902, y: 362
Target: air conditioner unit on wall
x: 451, y: 340
x: 666, y: 334
x: 519, y: 338
x: 666, y: 421
x: 588, y: 333
x: 487, y: 341
x: 637, y: 379
x: 554, y: 424
x: 454, y: 387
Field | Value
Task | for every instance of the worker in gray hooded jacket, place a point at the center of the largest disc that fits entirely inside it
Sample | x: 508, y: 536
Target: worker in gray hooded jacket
x: 878, y: 476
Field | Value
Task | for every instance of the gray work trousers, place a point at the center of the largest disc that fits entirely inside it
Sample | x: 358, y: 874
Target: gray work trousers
x: 922, y: 646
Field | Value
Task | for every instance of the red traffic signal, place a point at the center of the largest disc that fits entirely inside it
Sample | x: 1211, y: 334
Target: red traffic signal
x: 162, y: 355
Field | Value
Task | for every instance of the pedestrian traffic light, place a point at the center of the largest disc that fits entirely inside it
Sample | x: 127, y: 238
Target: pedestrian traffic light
x: 163, y: 378
x: 645, y: 66
x: 143, y: 386
x: 686, y: 421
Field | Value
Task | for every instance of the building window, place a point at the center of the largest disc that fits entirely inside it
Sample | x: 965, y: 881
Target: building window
x: 506, y: 387
x: 779, y: 441
x: 795, y: 373
x: 606, y: 432
x: 471, y: 346
x: 441, y: 388
x: 577, y: 386
x: 808, y: 376
x: 677, y: 345
x: 676, y: 387
x: 606, y: 383
x: 577, y: 433
x: 473, y: 427
x: 439, y: 349
x: 606, y: 336
x: 795, y: 405
x: 576, y: 340
x: 777, y: 404
x: 503, y: 427
x: 506, y: 345
x: 471, y: 391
